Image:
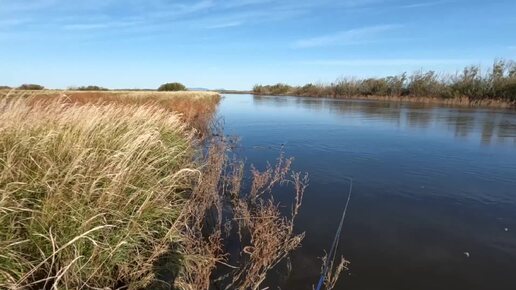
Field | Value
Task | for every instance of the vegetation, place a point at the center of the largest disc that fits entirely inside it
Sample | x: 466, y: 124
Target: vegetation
x: 31, y: 87
x: 195, y: 108
x: 172, y: 87
x: 89, y: 88
x: 497, y: 84
x: 5, y: 88
x: 89, y: 194
x: 109, y: 190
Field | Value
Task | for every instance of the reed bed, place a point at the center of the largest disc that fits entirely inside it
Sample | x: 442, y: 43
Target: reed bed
x: 89, y: 193
x: 195, y: 108
x: 114, y: 191
x: 495, y: 87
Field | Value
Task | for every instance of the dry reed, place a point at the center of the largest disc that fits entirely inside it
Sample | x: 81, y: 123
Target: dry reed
x: 89, y: 193
x: 96, y: 189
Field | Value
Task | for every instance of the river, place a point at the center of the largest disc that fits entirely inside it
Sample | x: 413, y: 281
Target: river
x: 434, y: 197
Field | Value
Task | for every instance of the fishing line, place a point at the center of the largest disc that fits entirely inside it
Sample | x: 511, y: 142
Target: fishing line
x: 333, y: 252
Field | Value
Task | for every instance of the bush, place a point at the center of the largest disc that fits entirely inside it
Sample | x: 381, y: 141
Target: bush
x: 90, y: 88
x: 497, y: 84
x: 374, y: 87
x: 5, y: 88
x: 277, y: 89
x: 259, y: 89
x: 32, y: 87
x: 347, y: 87
x: 172, y: 87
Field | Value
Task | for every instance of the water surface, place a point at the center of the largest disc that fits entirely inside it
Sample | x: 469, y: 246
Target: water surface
x: 430, y: 185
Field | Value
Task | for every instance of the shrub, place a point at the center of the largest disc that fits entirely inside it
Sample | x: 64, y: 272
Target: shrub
x: 497, y: 84
x: 32, y: 87
x: 396, y: 85
x: 374, y: 87
x: 277, y: 89
x: 172, y: 87
x: 259, y: 89
x: 280, y: 89
x: 424, y: 84
x: 5, y: 88
x: 347, y: 87
x: 90, y: 88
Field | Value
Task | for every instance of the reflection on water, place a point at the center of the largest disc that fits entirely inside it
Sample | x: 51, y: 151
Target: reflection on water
x: 430, y: 183
x: 489, y: 125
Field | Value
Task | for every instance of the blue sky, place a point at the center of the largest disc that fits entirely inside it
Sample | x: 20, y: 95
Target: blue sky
x: 236, y: 44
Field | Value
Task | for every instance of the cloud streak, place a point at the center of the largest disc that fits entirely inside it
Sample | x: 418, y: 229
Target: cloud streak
x: 347, y: 37
x: 424, y: 4
x: 225, y: 25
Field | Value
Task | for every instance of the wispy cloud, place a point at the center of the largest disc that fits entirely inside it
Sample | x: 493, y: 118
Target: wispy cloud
x: 386, y: 62
x: 19, y: 6
x: 197, y: 6
x: 225, y: 25
x: 424, y: 4
x: 347, y: 37
x: 8, y: 23
x: 155, y: 15
x: 101, y: 25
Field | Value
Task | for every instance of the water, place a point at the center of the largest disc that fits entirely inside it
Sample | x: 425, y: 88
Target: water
x: 430, y: 185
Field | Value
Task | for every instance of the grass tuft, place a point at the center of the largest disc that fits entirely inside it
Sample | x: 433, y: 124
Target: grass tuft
x: 89, y: 193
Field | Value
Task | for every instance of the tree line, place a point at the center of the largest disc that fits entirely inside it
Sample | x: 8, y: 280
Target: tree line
x: 499, y: 82
x: 35, y: 87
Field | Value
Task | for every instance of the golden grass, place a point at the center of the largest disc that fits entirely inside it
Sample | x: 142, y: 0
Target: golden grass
x: 105, y: 190
x: 196, y: 108
x: 89, y: 194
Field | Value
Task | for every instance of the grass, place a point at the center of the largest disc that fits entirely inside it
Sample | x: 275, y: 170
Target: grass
x: 106, y: 190
x: 195, y: 108
x: 494, y: 87
x: 89, y: 193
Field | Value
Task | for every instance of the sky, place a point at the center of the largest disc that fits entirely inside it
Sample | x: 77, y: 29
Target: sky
x: 234, y: 44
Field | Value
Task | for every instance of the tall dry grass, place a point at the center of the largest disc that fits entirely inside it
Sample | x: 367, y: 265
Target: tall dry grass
x: 107, y: 191
x: 195, y: 108
x: 89, y: 194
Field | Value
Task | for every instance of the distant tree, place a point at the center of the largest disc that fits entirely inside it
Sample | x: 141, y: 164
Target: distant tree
x: 172, y: 87
x: 5, y: 88
x: 32, y: 87
x: 90, y: 88
x: 258, y: 89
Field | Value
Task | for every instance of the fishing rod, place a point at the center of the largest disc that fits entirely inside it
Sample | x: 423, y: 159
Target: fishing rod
x: 333, y: 252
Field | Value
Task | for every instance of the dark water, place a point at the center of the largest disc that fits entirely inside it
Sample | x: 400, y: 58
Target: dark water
x: 430, y: 183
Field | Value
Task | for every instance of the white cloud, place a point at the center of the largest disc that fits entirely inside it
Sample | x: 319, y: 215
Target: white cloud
x: 101, y: 25
x: 347, y: 37
x: 423, y: 4
x: 225, y: 25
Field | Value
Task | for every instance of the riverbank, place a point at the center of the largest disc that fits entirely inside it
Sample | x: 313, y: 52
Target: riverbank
x: 461, y: 102
x: 116, y: 190
x: 495, y: 87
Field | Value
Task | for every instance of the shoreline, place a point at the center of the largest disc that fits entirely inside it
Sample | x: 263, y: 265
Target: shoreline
x: 462, y: 102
